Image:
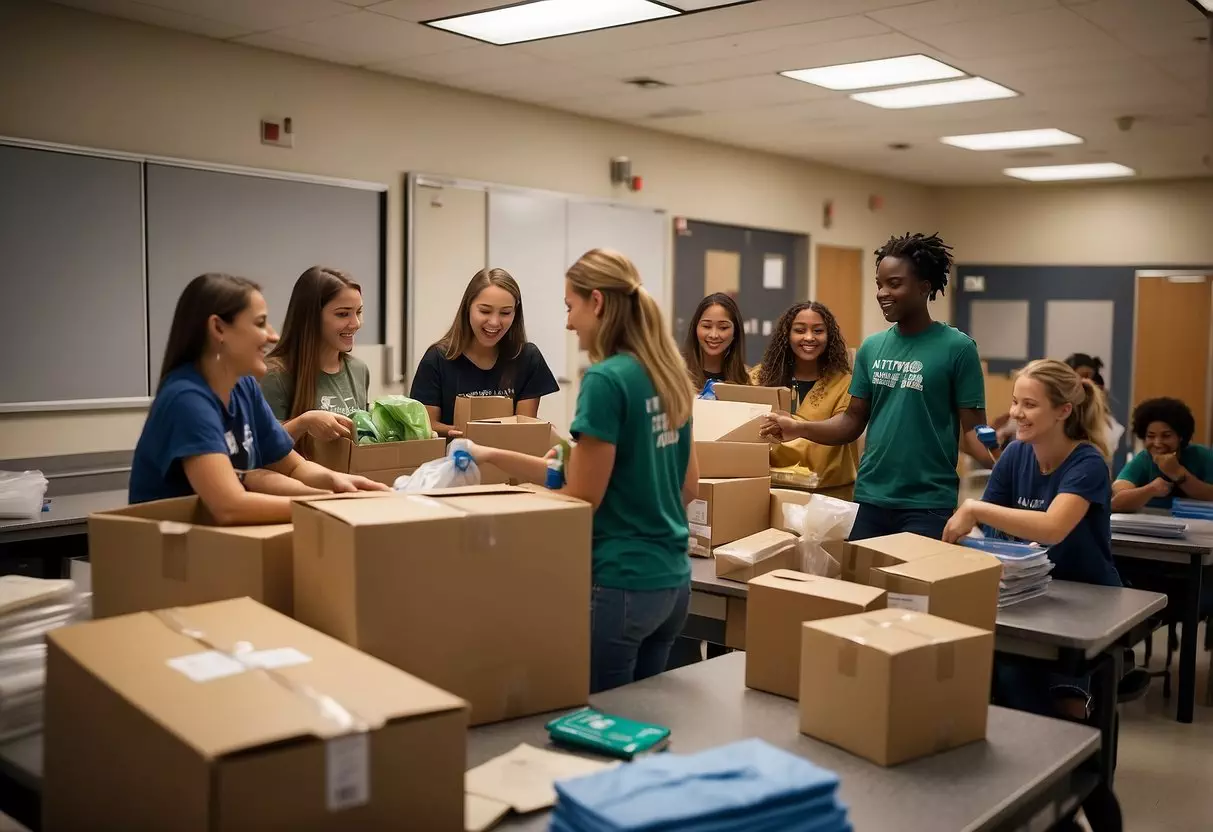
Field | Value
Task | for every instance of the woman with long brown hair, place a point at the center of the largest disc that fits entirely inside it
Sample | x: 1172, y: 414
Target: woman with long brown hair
x: 484, y: 353
x: 633, y: 462
x: 314, y: 383
x: 715, y: 343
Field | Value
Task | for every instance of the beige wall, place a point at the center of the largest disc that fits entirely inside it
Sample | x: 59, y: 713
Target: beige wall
x: 76, y: 78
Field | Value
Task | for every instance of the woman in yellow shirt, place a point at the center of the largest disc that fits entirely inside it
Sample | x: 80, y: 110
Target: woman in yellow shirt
x: 808, y: 354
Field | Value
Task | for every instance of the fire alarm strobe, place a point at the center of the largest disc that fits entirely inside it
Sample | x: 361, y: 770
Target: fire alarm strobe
x: 278, y: 133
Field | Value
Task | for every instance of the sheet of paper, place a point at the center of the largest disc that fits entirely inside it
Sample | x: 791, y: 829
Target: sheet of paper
x: 481, y: 813
x: 524, y: 778
x: 772, y: 271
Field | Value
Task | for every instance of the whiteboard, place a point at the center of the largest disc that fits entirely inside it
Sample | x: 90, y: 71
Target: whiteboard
x: 638, y: 233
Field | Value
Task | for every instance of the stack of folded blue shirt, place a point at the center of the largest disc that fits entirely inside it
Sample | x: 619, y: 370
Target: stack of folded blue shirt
x: 748, y: 785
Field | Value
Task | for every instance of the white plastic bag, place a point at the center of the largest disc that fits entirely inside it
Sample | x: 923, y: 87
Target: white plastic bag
x: 21, y: 494
x: 822, y: 519
x: 453, y: 470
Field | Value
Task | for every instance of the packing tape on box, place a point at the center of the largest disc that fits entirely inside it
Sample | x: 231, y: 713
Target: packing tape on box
x: 174, y: 550
x: 479, y: 530
x: 945, y: 651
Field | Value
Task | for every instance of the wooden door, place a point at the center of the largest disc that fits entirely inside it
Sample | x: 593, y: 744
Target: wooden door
x: 1171, y: 344
x: 840, y: 288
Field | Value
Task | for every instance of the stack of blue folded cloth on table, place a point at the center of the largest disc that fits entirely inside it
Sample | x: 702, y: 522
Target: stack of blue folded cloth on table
x: 748, y: 785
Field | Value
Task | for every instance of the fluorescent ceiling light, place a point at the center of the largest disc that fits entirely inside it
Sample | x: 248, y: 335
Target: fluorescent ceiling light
x: 1013, y: 139
x: 908, y: 69
x: 550, y: 18
x: 932, y: 95
x: 1057, y: 173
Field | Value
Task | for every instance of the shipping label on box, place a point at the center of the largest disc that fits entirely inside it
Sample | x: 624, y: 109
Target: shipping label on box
x: 380, y: 461
x: 729, y: 509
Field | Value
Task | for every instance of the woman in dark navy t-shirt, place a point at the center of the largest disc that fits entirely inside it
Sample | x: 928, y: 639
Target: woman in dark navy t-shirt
x: 210, y: 431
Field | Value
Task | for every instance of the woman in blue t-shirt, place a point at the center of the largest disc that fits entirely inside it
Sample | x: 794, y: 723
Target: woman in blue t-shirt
x: 210, y: 431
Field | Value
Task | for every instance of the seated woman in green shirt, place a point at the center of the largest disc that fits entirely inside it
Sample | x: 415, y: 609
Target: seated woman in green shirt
x: 313, y: 383
x: 633, y: 462
x: 1170, y: 466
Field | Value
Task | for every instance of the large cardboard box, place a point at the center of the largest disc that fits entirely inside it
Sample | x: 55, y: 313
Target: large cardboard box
x: 230, y: 716
x: 892, y: 685
x: 483, y: 591
x: 778, y: 398
x: 756, y: 555
x: 718, y: 421
x: 381, y: 462
x: 727, y: 510
x: 858, y: 558
x: 779, y: 602
x: 786, y: 496
x: 523, y: 434
x: 729, y: 460
x: 475, y: 408
x: 958, y: 584
x: 170, y: 553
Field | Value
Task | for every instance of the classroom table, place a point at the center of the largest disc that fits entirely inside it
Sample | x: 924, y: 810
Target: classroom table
x: 67, y: 515
x: 1195, y: 552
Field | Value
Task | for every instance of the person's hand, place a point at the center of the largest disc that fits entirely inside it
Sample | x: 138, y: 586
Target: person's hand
x: 349, y: 483
x: 1169, y: 465
x: 1160, y: 487
x: 961, y: 523
x: 324, y: 425
x: 454, y: 434
x: 775, y: 427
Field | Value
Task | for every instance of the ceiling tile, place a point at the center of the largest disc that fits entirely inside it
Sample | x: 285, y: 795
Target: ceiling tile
x: 157, y: 16
x: 1129, y: 17
x: 540, y: 82
x: 740, y: 93
x: 1015, y: 33
x: 269, y: 40
x: 257, y: 15
x: 944, y: 12
x: 697, y: 5
x: 418, y: 10
x: 466, y: 61
x: 374, y: 38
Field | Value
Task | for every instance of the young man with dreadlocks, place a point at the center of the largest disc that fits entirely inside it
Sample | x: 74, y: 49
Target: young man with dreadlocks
x: 917, y: 389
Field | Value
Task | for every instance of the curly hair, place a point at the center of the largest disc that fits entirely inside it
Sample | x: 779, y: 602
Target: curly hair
x: 930, y: 257
x: 1171, y: 412
x: 779, y: 362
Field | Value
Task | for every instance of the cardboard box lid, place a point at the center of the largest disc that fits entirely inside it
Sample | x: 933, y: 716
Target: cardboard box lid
x: 801, y: 583
x: 894, y: 631
x: 715, y: 420
x: 946, y: 564
x: 904, y: 545
x: 445, y: 504
x: 191, y: 685
x: 779, y: 398
x: 185, y: 514
x: 511, y: 420
x: 727, y: 480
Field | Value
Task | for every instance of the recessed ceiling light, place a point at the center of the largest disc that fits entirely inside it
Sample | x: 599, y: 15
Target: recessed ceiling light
x: 1013, y: 139
x: 908, y: 69
x: 1057, y: 173
x: 932, y: 95
x: 550, y: 18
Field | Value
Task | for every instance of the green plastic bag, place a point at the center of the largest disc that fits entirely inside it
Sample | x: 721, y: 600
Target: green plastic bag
x: 400, y: 419
x: 365, y: 432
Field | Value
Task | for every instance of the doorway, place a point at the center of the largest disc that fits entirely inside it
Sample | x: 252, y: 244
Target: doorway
x: 763, y: 270
x: 1171, y: 343
x: 840, y: 288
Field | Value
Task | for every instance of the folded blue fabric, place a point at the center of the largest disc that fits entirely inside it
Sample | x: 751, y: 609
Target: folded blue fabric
x: 730, y: 787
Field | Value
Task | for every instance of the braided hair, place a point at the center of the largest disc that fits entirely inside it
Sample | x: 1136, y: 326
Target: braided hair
x: 930, y: 257
x: 779, y: 362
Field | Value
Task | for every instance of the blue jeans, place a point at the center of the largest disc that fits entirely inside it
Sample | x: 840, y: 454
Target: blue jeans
x: 632, y: 631
x: 873, y: 521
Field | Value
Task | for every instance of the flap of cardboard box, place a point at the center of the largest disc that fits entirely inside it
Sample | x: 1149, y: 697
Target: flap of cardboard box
x: 946, y: 564
x: 732, y: 459
x: 805, y: 584
x: 472, y: 408
x: 184, y: 514
x: 904, y: 546
x: 718, y: 421
x: 779, y: 398
x: 892, y: 631
x: 234, y: 675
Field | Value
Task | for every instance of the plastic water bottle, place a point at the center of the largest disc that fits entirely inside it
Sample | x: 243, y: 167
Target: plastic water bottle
x: 554, y: 479
x: 708, y: 394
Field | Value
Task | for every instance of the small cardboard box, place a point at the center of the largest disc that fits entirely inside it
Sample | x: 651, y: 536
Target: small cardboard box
x: 756, y: 555
x: 717, y: 421
x: 170, y: 553
x: 381, y: 462
x: 483, y: 591
x: 779, y: 602
x: 786, y: 496
x: 247, y: 722
x: 779, y: 398
x: 476, y: 408
x: 725, y: 460
x: 892, y: 685
x: 523, y: 434
x: 959, y: 584
x: 727, y: 510
x: 860, y: 557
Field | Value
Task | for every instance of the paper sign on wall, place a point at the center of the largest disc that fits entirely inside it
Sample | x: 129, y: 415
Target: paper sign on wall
x: 721, y: 272
x: 772, y: 271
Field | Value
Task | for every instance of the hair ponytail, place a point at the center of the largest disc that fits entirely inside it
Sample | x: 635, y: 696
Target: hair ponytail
x: 1088, y: 419
x: 632, y: 322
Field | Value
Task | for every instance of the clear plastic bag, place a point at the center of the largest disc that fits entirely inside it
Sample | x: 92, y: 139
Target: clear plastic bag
x: 455, y: 469
x: 21, y: 494
x: 821, y: 520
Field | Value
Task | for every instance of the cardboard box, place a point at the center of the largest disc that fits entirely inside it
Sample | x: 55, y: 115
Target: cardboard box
x: 756, y: 555
x: 523, y: 434
x: 476, y: 408
x: 381, y: 462
x: 727, y: 510
x: 483, y: 591
x: 734, y: 623
x: 726, y: 460
x: 858, y: 558
x: 786, y: 496
x: 150, y: 728
x: 959, y: 584
x: 779, y: 398
x: 779, y: 603
x: 170, y: 553
x: 892, y: 685
x: 717, y: 421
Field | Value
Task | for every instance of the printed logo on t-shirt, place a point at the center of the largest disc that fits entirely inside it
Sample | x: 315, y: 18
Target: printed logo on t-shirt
x: 344, y: 406
x: 1031, y: 503
x: 664, y: 435
x: 507, y: 392
x: 904, y: 374
x: 232, y: 447
x: 248, y: 439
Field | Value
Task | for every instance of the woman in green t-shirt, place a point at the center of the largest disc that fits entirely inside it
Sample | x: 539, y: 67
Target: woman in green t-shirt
x: 313, y: 383
x: 633, y: 462
x: 1170, y: 465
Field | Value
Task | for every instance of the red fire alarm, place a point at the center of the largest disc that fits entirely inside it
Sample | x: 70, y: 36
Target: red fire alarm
x: 875, y: 202
x: 278, y: 133
x: 637, y: 183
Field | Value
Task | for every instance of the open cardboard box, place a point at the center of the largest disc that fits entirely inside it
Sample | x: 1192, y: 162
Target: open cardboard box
x: 727, y: 443
x: 381, y: 461
x: 524, y: 434
x: 779, y: 398
x: 475, y: 408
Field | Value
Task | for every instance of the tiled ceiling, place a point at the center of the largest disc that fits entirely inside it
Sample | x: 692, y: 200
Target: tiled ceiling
x: 1080, y: 65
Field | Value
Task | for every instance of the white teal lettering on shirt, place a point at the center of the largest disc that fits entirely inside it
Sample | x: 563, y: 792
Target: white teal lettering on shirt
x: 248, y: 439
x: 507, y: 392
x: 345, y: 407
x: 664, y: 435
x: 1031, y: 503
x: 904, y: 374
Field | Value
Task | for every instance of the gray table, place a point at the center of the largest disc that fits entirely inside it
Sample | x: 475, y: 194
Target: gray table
x: 1026, y: 763
x: 68, y: 515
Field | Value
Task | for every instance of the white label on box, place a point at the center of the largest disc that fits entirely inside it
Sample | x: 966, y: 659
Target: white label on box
x: 701, y: 531
x: 347, y: 771
x: 278, y: 657
x: 697, y: 512
x: 906, y: 601
x: 203, y: 667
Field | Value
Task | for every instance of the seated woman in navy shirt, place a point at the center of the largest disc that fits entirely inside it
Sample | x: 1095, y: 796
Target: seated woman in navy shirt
x: 210, y: 431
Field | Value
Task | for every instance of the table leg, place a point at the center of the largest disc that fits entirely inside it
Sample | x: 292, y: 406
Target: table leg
x: 1104, y: 678
x: 1187, y: 641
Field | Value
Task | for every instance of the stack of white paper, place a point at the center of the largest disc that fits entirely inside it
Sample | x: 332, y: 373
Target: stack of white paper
x: 1025, y: 568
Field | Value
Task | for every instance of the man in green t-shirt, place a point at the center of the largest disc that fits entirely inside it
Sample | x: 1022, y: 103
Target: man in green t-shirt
x: 917, y: 389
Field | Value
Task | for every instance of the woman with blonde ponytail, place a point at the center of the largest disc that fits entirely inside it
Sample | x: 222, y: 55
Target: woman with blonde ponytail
x: 633, y: 462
